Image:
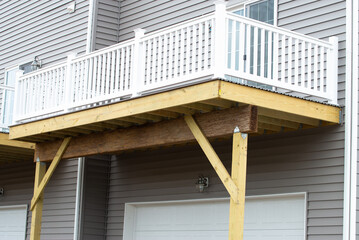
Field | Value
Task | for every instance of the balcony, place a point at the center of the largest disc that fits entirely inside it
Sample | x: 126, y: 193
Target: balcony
x: 220, y: 45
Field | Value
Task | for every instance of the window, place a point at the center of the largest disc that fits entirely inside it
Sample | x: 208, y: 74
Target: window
x: 263, y: 11
x: 7, y: 94
x: 7, y: 97
x: 260, y: 10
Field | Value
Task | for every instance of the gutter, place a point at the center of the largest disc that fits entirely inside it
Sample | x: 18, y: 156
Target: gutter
x: 351, y: 121
x: 79, y: 197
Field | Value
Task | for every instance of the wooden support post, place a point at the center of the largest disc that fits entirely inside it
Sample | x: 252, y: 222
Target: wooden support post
x: 212, y: 157
x: 239, y: 170
x: 40, y: 189
x: 37, y: 211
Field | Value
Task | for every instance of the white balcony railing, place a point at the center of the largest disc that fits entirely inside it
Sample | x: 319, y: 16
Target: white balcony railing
x: 217, y: 45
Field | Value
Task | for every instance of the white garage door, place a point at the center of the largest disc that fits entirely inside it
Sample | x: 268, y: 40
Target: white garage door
x: 13, y: 222
x: 266, y: 218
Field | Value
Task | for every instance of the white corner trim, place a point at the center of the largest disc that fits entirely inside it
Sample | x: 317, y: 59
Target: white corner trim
x: 90, y: 26
x: 351, y: 120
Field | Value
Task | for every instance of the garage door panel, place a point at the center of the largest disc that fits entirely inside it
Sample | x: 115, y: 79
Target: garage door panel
x: 266, y: 218
x: 13, y: 222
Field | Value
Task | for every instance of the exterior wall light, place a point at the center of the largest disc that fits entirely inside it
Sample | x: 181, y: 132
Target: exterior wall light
x: 36, y: 64
x: 202, y: 183
x: 1, y: 191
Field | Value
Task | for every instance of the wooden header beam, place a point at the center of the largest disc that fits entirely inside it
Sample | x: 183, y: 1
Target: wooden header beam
x: 214, y: 124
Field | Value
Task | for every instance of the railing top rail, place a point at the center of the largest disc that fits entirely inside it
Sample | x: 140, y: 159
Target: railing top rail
x: 279, y: 30
x: 45, y: 69
x: 178, y: 26
x: 104, y: 50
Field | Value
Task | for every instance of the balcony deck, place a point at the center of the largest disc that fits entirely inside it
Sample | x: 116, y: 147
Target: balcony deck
x: 180, y: 70
x: 276, y: 112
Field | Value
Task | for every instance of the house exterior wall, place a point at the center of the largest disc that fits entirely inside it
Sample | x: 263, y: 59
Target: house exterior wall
x: 106, y: 27
x: 95, y: 192
x: 40, y: 28
x: 59, y: 197
x: 308, y: 161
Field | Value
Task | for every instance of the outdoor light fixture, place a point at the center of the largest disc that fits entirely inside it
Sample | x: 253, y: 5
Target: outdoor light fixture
x: 1, y: 191
x: 202, y: 183
x: 36, y: 64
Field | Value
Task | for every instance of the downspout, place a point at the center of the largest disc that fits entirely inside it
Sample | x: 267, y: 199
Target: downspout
x: 351, y: 121
x: 79, y: 194
x: 90, y: 26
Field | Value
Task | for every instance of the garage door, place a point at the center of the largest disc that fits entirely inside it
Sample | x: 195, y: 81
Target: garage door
x: 13, y: 222
x: 266, y: 218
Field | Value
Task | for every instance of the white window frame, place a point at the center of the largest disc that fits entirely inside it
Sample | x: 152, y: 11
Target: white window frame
x: 244, y: 5
x: 5, y: 87
x: 130, y: 208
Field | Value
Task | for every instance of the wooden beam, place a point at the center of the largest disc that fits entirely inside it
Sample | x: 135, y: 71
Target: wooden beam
x: 288, y: 117
x: 278, y: 122
x: 49, y: 172
x: 212, y: 157
x: 279, y: 102
x: 159, y: 101
x: 219, y: 103
x: 37, y: 210
x: 5, y: 141
x: 214, y: 124
x: 239, y: 173
x: 166, y: 114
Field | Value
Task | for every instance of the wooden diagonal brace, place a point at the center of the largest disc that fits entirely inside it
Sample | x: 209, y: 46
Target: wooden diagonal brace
x: 213, y: 157
x: 38, y: 191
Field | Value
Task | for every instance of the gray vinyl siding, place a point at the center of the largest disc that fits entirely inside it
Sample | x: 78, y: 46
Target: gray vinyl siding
x: 94, y: 209
x: 107, y: 23
x: 59, y: 196
x: 153, y: 15
x: 40, y: 28
x: 306, y: 161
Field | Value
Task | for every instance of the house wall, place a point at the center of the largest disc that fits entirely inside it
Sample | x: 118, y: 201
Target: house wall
x: 59, y: 197
x: 106, y: 23
x: 309, y: 161
x: 40, y: 28
x: 95, y: 193
x: 305, y: 161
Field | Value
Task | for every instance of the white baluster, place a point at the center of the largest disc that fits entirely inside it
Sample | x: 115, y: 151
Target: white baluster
x: 68, y: 83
